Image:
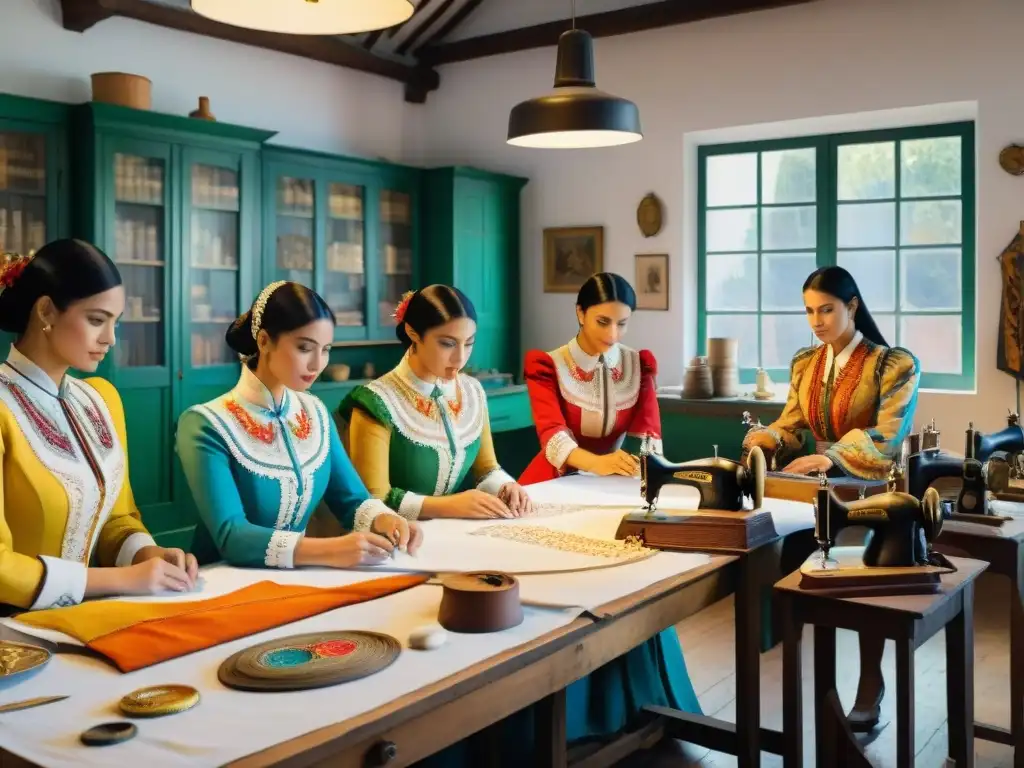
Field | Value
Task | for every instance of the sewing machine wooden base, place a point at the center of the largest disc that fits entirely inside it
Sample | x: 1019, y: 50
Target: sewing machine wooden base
x: 783, y: 485
x: 847, y: 576
x: 993, y: 521
x: 700, y: 529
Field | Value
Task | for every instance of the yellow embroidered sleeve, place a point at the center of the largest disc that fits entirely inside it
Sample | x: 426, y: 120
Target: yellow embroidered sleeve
x: 782, y: 436
x: 123, y: 534
x: 486, y: 461
x: 868, y: 453
x: 21, y: 576
x: 369, y: 448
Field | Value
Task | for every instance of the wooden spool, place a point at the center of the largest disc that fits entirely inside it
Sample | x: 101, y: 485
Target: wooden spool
x: 481, y: 601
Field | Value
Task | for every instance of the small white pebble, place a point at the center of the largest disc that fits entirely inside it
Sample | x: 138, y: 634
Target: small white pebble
x: 428, y: 637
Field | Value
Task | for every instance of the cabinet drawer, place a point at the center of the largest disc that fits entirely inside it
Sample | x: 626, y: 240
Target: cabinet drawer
x: 509, y: 410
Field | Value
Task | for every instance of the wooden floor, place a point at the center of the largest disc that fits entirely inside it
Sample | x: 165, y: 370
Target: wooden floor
x: 708, y: 643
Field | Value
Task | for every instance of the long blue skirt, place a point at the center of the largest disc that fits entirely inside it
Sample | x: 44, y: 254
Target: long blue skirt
x: 600, y: 705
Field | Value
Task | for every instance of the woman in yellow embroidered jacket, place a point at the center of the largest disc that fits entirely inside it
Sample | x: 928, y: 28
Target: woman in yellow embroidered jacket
x: 65, y: 501
x: 856, y: 396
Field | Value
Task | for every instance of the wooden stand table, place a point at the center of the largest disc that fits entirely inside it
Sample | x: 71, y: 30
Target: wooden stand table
x: 1003, y: 549
x: 909, y: 620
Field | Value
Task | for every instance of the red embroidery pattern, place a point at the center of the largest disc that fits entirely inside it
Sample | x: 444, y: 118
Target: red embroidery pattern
x: 262, y: 432
x: 42, y: 423
x: 587, y: 376
x: 843, y: 388
x: 100, y: 427
x: 302, y: 427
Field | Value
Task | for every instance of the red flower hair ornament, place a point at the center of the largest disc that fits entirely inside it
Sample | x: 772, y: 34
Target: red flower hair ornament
x: 403, y: 307
x: 11, y: 268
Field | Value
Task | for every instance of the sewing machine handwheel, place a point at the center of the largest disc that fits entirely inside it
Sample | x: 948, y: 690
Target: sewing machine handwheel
x: 757, y: 467
x: 931, y: 510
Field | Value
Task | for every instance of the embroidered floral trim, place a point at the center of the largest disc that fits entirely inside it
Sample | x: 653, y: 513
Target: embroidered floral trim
x: 301, y: 427
x: 281, y: 549
x: 625, y: 551
x: 43, y: 424
x: 100, y: 427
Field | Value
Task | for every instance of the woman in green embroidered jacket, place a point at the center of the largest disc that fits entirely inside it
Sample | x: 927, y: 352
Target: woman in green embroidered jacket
x: 414, y: 435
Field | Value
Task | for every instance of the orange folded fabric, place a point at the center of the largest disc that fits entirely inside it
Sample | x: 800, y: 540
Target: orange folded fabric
x: 137, y: 635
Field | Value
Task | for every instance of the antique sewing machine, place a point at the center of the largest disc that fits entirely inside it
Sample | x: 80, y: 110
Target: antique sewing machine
x: 721, y: 520
x: 931, y: 464
x: 897, y: 555
x: 721, y: 483
x: 794, y: 487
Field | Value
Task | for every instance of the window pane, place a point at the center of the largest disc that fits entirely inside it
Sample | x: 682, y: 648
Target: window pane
x: 867, y: 171
x: 789, y: 176
x: 930, y: 167
x: 930, y: 279
x: 887, y: 325
x: 741, y: 327
x: 933, y: 222
x: 868, y: 225
x: 732, y: 179
x: 782, y: 274
x: 935, y: 340
x: 875, y: 273
x: 789, y: 227
x: 781, y: 337
x: 731, y: 281
x: 732, y: 230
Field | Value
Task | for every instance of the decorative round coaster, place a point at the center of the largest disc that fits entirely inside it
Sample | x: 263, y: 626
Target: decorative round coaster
x: 313, y: 660
x: 159, y: 700
x: 18, y: 659
x: 108, y: 733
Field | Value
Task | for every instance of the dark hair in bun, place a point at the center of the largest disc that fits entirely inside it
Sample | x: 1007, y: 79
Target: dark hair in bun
x: 289, y: 306
x: 604, y: 287
x: 65, y: 270
x: 431, y: 307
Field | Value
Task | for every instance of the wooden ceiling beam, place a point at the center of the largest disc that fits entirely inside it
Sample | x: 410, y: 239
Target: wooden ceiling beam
x: 664, y: 13
x: 410, y: 40
x: 80, y: 15
x: 457, y: 18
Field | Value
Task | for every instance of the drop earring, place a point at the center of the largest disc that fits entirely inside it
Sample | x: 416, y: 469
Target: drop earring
x: 47, y: 328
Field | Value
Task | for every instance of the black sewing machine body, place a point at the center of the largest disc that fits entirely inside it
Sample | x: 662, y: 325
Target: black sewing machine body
x: 901, y: 526
x: 722, y: 483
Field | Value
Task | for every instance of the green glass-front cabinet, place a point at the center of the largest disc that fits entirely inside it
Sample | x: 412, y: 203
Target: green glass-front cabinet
x: 471, y: 240
x: 33, y: 177
x: 176, y: 203
x: 347, y: 229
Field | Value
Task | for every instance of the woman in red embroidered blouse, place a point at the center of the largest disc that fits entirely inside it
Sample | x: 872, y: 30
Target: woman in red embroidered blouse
x: 593, y: 399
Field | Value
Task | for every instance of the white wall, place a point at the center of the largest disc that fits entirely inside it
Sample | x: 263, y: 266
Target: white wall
x: 312, y: 105
x: 834, y: 57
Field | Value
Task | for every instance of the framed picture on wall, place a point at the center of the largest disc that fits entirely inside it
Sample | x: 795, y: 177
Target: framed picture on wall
x: 651, y: 281
x: 571, y: 255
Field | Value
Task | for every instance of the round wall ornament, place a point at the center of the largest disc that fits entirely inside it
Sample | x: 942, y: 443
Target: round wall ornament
x: 649, y: 215
x: 1011, y: 160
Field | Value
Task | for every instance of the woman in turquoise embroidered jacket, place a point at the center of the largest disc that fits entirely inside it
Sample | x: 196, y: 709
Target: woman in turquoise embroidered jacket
x: 260, y: 458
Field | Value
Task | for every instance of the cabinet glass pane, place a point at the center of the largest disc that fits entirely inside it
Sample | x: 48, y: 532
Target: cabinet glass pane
x: 22, y: 192
x: 214, y: 262
x: 295, y: 206
x: 396, y: 252
x: 345, y: 278
x: 139, y: 221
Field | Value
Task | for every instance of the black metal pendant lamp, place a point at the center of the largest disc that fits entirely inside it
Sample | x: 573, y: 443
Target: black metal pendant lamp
x: 575, y: 114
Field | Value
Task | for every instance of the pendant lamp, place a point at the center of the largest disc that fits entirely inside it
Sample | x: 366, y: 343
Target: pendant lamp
x: 307, y: 17
x: 575, y: 114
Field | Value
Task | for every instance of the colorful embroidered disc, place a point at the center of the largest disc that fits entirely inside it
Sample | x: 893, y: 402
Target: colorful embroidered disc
x: 19, y: 659
x: 306, y: 661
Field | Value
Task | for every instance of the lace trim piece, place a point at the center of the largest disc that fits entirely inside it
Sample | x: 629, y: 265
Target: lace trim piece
x: 624, y: 551
x: 558, y: 448
x: 281, y: 549
x: 367, y: 512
